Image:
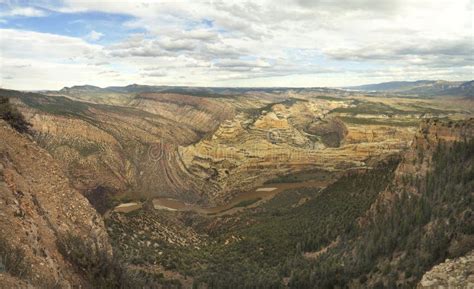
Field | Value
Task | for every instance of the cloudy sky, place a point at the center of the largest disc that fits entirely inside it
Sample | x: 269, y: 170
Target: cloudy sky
x: 49, y: 44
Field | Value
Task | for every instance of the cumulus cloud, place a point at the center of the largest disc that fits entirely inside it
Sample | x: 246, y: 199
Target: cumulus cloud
x: 294, y: 42
x: 342, y: 5
x: 201, y: 34
x: 176, y: 44
x: 430, y: 53
x: 51, y: 62
x: 242, y: 65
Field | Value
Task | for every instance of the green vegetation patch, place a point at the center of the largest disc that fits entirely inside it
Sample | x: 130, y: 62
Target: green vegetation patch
x: 408, y: 122
x: 367, y: 107
x: 12, y: 260
x: 407, y: 237
x: 257, y: 250
x: 314, y: 174
x: 103, y: 270
x: 58, y: 105
x: 12, y: 116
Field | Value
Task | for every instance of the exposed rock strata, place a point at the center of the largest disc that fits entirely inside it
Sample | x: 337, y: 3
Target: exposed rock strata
x: 206, y: 148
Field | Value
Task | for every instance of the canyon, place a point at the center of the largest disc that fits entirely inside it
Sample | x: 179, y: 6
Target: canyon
x: 207, y: 149
x: 166, y: 184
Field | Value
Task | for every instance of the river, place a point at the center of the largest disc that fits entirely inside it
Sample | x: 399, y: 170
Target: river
x: 240, y: 202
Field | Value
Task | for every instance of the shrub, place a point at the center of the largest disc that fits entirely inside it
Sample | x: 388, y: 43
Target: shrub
x: 12, y: 116
x: 13, y: 260
x: 105, y: 271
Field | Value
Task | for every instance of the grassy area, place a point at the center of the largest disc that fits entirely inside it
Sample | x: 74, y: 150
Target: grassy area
x: 13, y: 260
x: 12, y: 116
x: 409, y: 122
x: 315, y: 174
x: 54, y: 104
x: 366, y: 107
x: 245, y: 203
x: 103, y: 270
x: 325, y: 97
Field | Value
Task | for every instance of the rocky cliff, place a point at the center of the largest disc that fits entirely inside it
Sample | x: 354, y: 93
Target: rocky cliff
x: 417, y: 160
x: 285, y: 138
x: 38, y: 210
x: 428, y: 211
x: 452, y: 273
x: 109, y: 150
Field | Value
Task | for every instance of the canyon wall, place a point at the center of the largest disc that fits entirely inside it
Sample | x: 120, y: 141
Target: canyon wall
x: 38, y: 210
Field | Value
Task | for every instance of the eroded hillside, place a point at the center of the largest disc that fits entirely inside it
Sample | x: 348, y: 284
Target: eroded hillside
x: 287, y: 137
x: 207, y: 146
x: 117, y: 150
x: 39, y: 209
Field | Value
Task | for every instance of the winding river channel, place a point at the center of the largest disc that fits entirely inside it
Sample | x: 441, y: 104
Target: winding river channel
x: 242, y: 201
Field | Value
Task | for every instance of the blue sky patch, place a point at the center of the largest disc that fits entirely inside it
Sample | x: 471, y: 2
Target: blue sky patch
x: 76, y: 25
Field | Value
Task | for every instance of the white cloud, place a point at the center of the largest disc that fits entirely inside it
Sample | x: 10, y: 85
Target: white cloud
x: 24, y: 12
x: 51, y: 62
x: 94, y: 35
x: 291, y: 43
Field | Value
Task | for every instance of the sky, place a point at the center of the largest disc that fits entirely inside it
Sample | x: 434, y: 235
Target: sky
x: 291, y: 43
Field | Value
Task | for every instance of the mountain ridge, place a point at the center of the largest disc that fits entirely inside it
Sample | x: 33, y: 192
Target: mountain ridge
x: 420, y: 87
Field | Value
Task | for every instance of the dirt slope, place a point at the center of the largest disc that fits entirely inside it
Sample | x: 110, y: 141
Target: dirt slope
x: 38, y: 207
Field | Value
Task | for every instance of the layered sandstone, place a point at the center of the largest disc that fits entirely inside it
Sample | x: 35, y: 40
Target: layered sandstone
x: 285, y: 138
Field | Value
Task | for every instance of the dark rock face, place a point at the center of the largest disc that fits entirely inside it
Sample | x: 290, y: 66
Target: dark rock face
x: 331, y: 131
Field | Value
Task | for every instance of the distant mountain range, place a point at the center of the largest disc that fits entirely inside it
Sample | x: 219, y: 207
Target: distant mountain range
x: 424, y: 88
x: 189, y: 90
x: 420, y: 87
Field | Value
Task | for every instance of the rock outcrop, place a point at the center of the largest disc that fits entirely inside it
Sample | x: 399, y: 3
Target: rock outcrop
x: 452, y: 273
x: 284, y: 138
x: 431, y: 133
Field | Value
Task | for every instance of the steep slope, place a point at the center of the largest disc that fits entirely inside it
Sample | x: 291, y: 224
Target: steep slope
x: 94, y: 94
x: 421, y: 218
x: 38, y: 210
x: 203, y: 114
x: 122, y: 150
x: 378, y: 227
